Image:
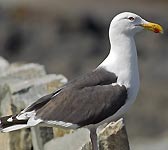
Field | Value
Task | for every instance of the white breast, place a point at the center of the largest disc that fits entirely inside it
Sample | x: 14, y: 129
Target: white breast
x: 122, y: 60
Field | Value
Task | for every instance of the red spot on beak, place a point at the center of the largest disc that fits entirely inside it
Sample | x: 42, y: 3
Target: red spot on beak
x: 156, y: 30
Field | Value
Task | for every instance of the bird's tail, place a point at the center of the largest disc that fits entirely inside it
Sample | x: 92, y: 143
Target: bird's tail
x: 11, y: 123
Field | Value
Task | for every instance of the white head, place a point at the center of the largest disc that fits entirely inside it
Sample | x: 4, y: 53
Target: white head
x: 129, y: 24
x: 122, y: 59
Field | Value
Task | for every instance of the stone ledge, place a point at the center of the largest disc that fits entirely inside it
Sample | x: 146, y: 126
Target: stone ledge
x: 111, y: 137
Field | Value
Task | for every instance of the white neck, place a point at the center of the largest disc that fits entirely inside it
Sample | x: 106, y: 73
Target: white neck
x: 122, y: 60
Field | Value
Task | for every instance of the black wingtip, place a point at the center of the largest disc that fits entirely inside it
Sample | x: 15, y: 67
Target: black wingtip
x: 11, y: 123
x: 4, y: 122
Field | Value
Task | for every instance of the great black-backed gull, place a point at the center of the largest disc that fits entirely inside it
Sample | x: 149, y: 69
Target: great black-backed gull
x: 99, y: 96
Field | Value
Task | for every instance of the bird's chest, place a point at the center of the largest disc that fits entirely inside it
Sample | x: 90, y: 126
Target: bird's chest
x: 130, y: 79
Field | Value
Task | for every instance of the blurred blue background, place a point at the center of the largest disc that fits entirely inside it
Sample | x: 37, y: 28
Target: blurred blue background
x: 71, y: 37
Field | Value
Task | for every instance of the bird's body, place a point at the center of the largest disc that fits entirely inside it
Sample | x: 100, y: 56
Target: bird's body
x: 103, y: 94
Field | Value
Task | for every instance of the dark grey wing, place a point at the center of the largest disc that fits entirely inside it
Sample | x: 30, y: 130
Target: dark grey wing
x: 89, y: 105
x: 97, y: 77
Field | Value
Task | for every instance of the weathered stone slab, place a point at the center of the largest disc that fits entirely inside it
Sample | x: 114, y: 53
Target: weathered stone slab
x: 5, y: 142
x: 23, y: 71
x: 21, y: 85
x: 69, y: 141
x: 111, y: 137
x: 4, y: 64
x: 114, y: 137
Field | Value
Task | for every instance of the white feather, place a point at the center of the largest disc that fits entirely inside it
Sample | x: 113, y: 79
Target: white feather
x: 33, y: 122
x: 63, y: 124
x: 25, y: 115
x: 14, y: 127
x: 10, y: 119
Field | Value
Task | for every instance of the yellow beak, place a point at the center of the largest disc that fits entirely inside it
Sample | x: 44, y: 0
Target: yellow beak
x: 153, y: 27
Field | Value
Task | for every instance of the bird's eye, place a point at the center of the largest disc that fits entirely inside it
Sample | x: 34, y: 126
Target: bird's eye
x: 131, y: 18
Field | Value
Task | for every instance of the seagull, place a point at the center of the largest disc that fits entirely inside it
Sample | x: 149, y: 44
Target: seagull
x: 102, y: 95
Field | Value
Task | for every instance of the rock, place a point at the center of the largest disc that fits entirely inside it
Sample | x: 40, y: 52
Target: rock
x: 114, y: 136
x: 4, y: 64
x: 70, y: 141
x: 21, y: 85
x: 111, y: 137
x: 23, y: 71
